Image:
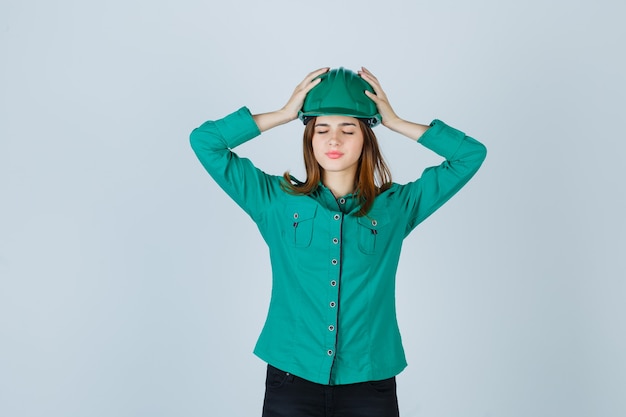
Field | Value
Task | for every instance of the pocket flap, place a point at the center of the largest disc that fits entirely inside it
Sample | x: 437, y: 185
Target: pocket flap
x: 299, y: 213
x: 374, y: 221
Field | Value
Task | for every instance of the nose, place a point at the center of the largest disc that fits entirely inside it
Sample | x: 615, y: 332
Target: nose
x: 333, y: 138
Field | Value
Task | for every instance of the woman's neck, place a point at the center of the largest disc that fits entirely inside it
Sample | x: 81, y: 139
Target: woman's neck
x: 339, y: 183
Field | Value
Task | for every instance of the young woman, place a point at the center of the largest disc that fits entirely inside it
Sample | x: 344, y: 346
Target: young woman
x: 331, y: 338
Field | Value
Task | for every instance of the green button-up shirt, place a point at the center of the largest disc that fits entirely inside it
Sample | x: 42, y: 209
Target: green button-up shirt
x: 332, y: 315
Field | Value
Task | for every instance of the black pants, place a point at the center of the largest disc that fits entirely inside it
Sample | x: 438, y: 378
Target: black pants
x: 287, y: 395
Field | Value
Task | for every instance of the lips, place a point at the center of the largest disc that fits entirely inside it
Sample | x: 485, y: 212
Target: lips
x: 334, y: 154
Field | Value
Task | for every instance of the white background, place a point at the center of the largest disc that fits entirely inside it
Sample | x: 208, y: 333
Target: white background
x: 130, y: 285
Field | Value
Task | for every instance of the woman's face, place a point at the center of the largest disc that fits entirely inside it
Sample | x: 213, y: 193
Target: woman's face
x: 337, y: 143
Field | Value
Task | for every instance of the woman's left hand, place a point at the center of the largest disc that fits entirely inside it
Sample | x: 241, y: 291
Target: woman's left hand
x: 390, y: 118
x: 380, y: 98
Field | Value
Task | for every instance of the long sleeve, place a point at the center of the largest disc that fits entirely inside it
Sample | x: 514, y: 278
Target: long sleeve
x: 248, y: 186
x: 332, y: 317
x: 464, y: 156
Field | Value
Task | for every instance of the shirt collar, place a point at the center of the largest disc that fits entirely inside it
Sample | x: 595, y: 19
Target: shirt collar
x: 346, y: 204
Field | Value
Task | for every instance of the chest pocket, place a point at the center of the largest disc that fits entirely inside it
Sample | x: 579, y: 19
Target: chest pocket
x: 372, y: 232
x: 299, y: 225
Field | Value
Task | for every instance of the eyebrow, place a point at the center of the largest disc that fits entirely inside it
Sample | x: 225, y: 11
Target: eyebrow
x: 340, y: 124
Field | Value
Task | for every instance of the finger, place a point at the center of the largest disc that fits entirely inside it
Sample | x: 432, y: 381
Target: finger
x: 376, y: 87
x: 375, y: 98
x: 312, y: 75
x: 365, y: 70
x: 320, y: 70
x: 371, y: 80
x: 368, y: 73
x: 312, y: 84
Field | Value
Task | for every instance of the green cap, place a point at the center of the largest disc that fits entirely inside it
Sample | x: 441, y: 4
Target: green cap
x: 340, y: 93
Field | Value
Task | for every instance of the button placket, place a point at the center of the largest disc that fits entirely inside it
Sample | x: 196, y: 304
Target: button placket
x: 334, y: 256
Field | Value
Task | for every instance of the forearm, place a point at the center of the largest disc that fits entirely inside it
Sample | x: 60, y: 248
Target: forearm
x: 290, y: 110
x: 266, y: 121
x: 404, y: 127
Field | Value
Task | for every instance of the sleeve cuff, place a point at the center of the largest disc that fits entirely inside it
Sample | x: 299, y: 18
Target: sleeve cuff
x: 442, y: 139
x: 238, y: 127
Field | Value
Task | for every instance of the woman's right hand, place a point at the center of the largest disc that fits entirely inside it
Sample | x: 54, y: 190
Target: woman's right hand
x: 290, y: 110
x: 296, y: 100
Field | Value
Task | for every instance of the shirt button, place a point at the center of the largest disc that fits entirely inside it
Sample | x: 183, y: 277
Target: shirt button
x: 333, y: 283
x: 332, y: 304
x: 342, y: 201
x: 330, y: 352
x: 296, y: 215
x: 334, y: 262
x: 335, y: 240
x: 336, y: 217
x: 331, y: 328
x: 374, y: 223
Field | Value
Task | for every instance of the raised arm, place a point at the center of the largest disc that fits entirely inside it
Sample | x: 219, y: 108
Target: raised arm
x: 213, y: 142
x: 463, y: 156
x: 289, y: 112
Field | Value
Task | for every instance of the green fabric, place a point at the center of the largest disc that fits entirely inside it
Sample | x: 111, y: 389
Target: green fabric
x: 332, y: 315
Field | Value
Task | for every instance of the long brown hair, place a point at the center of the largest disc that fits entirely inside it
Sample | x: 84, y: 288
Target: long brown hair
x: 372, y: 173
